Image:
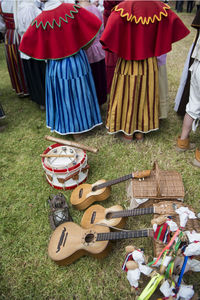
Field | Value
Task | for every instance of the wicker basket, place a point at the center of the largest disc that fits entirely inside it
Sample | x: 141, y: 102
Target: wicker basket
x: 160, y: 185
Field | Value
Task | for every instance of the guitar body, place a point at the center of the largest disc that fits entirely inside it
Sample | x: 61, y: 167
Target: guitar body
x: 83, y: 196
x: 100, y: 215
x: 69, y: 242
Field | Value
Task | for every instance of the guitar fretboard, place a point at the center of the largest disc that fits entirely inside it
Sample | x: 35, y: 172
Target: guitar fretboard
x: 111, y: 182
x: 119, y: 235
x: 132, y: 212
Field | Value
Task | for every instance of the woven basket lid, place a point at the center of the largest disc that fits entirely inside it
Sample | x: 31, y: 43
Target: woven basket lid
x: 159, y: 185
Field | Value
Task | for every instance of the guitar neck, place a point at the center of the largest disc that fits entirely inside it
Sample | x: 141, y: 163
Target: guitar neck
x: 112, y: 182
x: 133, y: 212
x: 119, y: 235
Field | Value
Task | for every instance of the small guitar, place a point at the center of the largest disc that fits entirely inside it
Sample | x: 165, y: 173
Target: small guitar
x: 115, y: 216
x: 69, y: 241
x: 85, y: 194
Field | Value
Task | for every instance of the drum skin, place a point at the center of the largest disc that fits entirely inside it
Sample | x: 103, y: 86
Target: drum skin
x: 65, y: 172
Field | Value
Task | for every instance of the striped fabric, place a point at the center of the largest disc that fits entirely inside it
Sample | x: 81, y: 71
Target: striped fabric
x: 134, y: 97
x: 71, y: 101
x: 14, y: 62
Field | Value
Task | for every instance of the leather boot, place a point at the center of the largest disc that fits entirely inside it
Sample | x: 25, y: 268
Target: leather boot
x: 184, y: 145
x: 196, y: 161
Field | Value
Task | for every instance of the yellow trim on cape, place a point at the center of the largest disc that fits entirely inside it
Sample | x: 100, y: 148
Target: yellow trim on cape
x: 143, y: 20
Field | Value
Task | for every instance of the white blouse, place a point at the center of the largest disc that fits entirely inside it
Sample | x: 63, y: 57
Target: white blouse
x: 26, y: 13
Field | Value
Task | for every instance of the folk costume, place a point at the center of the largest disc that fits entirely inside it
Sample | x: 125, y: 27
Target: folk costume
x: 12, y: 39
x: 138, y: 32
x: 96, y: 58
x: 59, y: 35
x: 163, y: 87
x: 24, y: 13
x: 182, y: 96
x: 110, y: 57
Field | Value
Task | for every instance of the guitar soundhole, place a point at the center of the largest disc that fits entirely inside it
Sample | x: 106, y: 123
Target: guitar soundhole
x: 89, y: 238
x: 80, y: 193
x: 109, y: 216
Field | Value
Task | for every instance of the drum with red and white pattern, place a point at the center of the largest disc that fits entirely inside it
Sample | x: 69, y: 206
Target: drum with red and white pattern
x: 65, y: 167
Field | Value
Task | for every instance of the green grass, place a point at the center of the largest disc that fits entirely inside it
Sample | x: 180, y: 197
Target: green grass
x: 26, y: 272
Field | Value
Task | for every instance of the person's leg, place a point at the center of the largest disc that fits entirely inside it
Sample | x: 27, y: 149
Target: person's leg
x: 187, y: 126
x: 192, y: 109
x: 183, y: 141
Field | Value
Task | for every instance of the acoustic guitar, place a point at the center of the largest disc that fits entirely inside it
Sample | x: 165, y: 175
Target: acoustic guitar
x: 70, y: 241
x: 85, y: 194
x: 114, y: 216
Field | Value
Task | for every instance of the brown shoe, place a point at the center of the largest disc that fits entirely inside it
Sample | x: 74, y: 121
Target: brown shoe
x: 196, y: 161
x: 139, y: 136
x: 184, y: 145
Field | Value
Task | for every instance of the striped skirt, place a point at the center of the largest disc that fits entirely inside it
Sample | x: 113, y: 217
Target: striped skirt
x: 134, y: 97
x: 71, y: 100
x: 14, y: 62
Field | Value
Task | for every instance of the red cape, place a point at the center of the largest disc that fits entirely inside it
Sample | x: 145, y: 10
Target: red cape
x: 60, y: 32
x: 137, y: 30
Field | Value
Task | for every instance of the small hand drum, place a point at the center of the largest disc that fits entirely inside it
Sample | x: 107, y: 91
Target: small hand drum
x: 65, y: 167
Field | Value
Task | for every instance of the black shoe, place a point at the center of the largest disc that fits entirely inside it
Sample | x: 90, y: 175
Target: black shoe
x: 59, y: 210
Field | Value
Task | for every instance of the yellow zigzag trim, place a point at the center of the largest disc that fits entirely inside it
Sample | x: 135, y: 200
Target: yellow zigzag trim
x: 143, y: 20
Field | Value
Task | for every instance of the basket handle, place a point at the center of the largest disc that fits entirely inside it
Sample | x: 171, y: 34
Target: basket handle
x: 157, y: 172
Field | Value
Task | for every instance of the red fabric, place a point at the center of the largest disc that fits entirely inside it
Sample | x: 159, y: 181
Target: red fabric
x: 163, y: 232
x: 138, y: 39
x: 8, y: 19
x: 67, y: 37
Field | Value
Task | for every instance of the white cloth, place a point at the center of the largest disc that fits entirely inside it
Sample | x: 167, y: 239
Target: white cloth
x: 183, y: 80
x: 192, y: 265
x: 193, y: 236
x: 26, y: 12
x: 186, y: 292
x: 184, y: 214
x: 7, y: 6
x: 192, y: 249
x: 166, y: 289
x: 172, y: 225
x: 134, y: 275
x: 196, y: 52
x: 51, y: 4
x: 193, y: 106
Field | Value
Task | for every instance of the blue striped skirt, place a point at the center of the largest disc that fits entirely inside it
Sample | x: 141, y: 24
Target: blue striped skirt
x: 71, y: 100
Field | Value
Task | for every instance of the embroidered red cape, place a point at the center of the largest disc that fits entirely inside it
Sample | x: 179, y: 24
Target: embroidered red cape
x: 137, y: 30
x: 60, y: 32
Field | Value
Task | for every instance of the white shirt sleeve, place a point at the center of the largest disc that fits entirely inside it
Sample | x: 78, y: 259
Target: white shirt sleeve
x: 27, y: 12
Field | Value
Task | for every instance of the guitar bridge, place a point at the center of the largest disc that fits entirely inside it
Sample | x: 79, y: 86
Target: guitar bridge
x: 62, y: 240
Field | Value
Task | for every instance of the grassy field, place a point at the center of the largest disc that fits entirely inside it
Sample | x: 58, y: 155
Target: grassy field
x: 26, y: 272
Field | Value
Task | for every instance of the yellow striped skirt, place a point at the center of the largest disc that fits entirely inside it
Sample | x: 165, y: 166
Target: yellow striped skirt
x: 134, y: 97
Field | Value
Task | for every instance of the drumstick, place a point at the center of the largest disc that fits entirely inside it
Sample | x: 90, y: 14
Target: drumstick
x: 70, y: 143
x: 57, y: 155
